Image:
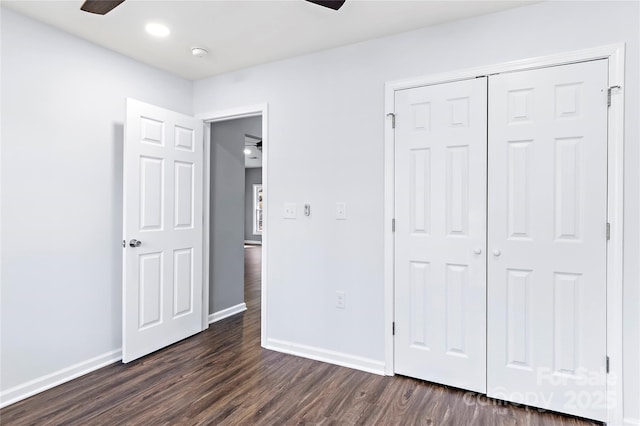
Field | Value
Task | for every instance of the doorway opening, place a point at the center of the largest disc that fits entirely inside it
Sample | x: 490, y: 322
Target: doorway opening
x: 235, y: 217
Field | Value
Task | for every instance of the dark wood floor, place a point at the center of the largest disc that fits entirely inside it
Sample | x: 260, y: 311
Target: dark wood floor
x: 223, y: 377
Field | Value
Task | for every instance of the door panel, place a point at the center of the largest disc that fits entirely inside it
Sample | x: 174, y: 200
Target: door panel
x: 163, y: 176
x: 547, y: 204
x: 440, y: 188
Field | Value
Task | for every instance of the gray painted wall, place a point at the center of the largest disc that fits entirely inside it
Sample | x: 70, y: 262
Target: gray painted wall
x: 251, y: 177
x: 226, y: 279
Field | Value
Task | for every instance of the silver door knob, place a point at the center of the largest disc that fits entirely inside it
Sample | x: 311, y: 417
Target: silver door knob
x: 478, y: 251
x: 497, y: 252
x: 135, y: 243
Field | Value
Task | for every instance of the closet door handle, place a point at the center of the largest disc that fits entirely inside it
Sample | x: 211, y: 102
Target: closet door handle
x: 478, y: 251
x: 497, y: 253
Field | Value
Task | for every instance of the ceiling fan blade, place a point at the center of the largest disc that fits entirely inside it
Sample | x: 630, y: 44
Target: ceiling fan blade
x: 100, y: 7
x: 331, y: 4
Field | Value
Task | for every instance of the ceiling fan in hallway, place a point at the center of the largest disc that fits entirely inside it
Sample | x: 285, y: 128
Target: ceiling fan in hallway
x: 252, y: 141
x: 102, y: 7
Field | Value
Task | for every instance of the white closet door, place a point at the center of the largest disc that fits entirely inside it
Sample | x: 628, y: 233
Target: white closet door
x: 440, y: 263
x: 163, y: 178
x: 547, y: 238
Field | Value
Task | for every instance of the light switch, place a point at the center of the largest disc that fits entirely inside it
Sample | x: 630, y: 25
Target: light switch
x: 289, y: 210
x: 341, y: 211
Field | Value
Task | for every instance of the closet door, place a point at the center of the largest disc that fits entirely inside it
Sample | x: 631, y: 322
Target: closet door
x: 440, y: 238
x: 547, y: 219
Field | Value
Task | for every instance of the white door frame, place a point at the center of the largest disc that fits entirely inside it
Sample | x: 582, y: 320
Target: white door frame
x: 225, y: 115
x: 615, y: 174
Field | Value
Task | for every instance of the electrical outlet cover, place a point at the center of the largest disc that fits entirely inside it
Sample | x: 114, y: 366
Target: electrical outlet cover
x: 340, y: 299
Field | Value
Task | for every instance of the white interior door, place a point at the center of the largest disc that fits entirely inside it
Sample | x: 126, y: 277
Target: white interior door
x: 163, y: 178
x: 440, y: 237
x: 547, y: 237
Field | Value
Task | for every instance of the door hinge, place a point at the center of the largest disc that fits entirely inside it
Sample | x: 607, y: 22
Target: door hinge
x: 393, y: 225
x: 393, y: 328
x: 124, y: 243
x: 609, y: 94
x: 608, y: 364
x: 393, y: 119
x: 608, y: 231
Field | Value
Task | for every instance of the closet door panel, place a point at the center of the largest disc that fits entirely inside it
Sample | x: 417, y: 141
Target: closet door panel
x: 547, y: 214
x: 441, y: 233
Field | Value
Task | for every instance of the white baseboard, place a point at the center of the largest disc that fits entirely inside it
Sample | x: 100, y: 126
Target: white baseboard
x: 253, y: 242
x: 217, y: 316
x: 324, y: 355
x: 41, y: 384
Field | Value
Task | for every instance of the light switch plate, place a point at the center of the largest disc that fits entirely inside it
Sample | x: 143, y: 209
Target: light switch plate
x: 341, y: 210
x: 289, y: 210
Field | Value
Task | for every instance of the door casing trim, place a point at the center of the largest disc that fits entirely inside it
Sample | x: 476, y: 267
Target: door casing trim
x: 225, y: 115
x: 615, y: 54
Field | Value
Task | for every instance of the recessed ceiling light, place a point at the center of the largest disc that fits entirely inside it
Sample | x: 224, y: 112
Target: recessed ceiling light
x: 247, y: 151
x: 157, y: 30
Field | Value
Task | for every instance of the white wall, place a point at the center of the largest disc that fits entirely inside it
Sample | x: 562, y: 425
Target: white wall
x: 63, y: 107
x: 326, y: 123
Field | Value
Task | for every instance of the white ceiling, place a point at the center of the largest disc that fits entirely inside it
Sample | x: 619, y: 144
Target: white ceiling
x: 242, y: 33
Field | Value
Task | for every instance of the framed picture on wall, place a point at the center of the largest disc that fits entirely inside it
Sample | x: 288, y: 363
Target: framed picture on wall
x: 257, y: 209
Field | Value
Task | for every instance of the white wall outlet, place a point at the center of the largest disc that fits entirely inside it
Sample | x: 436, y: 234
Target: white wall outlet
x: 289, y: 210
x: 341, y: 210
x: 340, y: 299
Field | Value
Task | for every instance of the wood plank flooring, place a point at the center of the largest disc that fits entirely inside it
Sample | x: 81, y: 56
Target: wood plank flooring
x: 223, y: 377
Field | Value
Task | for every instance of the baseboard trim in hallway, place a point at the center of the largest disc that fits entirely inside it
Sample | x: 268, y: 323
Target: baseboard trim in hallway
x: 225, y: 313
